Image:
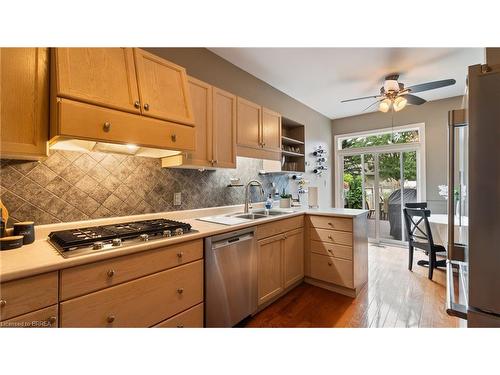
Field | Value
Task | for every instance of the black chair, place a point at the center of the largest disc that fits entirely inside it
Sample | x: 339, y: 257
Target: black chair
x: 416, y: 205
x: 420, y: 236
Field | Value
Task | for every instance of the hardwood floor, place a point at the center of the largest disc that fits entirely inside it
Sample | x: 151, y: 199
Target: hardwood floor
x: 393, y: 297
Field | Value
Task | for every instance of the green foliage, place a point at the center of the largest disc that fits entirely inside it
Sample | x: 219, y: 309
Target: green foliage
x: 354, y: 196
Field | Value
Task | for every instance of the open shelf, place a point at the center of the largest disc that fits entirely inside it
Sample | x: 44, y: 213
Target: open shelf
x: 290, y: 141
x: 292, y: 146
x: 292, y: 154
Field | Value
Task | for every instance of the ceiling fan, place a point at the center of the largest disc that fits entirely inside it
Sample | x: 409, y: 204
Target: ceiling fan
x: 393, y: 94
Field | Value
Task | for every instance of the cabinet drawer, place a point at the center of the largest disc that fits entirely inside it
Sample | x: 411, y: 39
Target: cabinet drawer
x: 331, y: 236
x: 140, y: 303
x: 192, y: 318
x: 332, y: 270
x: 85, y: 121
x: 330, y: 249
x: 337, y: 223
x: 43, y: 318
x: 95, y: 276
x: 26, y: 295
x: 277, y: 227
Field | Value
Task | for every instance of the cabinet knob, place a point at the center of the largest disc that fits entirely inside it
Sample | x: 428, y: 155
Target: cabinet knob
x: 137, y: 104
x: 110, y: 319
x: 330, y: 263
x: 3, y: 302
x: 180, y: 290
x: 180, y: 254
x: 173, y: 137
x: 52, y: 320
x: 180, y: 325
x: 146, y: 106
x: 216, y: 161
x: 106, y: 126
x: 330, y: 224
x: 263, y: 144
x: 330, y: 251
x: 111, y: 273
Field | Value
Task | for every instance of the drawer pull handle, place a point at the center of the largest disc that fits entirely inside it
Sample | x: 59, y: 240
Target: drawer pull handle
x: 52, y: 320
x: 111, y: 318
x: 111, y: 273
x: 137, y: 104
x: 330, y: 251
x: 331, y: 224
x: 173, y: 137
x: 180, y: 254
x: 3, y: 303
x: 146, y: 107
x: 330, y: 263
x: 106, y: 126
x: 180, y: 325
x: 330, y: 237
x: 180, y: 290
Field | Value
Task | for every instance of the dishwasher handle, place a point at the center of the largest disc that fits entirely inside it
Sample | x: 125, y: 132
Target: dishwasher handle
x: 232, y: 240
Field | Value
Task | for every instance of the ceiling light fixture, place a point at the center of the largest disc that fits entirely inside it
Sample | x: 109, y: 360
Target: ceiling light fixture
x: 399, y: 103
x: 385, y: 105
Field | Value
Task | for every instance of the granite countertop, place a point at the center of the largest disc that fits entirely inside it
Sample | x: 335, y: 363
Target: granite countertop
x: 40, y: 256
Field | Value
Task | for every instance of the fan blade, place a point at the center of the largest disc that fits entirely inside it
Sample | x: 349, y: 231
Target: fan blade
x: 415, y: 100
x: 431, y: 85
x: 371, y: 105
x: 364, y: 97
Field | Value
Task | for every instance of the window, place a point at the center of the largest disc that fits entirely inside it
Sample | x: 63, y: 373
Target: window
x: 380, y: 139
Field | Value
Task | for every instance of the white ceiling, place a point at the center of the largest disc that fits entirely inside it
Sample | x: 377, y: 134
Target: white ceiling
x: 322, y: 77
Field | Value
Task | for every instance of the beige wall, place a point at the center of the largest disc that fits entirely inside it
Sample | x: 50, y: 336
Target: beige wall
x: 435, y: 116
x: 209, y: 67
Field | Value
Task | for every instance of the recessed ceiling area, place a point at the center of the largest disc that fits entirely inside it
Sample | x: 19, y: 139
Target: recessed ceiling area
x: 322, y: 77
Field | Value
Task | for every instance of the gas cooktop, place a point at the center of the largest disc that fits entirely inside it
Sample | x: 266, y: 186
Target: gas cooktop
x: 81, y: 241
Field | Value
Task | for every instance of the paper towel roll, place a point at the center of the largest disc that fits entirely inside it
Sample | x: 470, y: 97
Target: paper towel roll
x: 312, y: 197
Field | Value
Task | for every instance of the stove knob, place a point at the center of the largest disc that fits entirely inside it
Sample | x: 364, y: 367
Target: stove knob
x: 167, y: 233
x: 98, y: 245
x: 116, y: 242
x: 179, y: 231
x: 144, y: 237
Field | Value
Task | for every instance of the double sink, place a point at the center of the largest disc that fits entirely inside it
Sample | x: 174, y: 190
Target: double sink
x: 260, y: 214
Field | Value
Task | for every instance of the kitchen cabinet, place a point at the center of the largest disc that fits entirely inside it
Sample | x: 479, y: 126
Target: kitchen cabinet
x: 43, y: 318
x: 215, y: 121
x: 125, y: 96
x: 293, y: 257
x: 259, y: 131
x: 163, y: 88
x: 270, y: 268
x: 24, y: 96
x: 191, y: 318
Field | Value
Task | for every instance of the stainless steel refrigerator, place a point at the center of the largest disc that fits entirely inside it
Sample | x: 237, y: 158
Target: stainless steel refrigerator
x: 474, y: 202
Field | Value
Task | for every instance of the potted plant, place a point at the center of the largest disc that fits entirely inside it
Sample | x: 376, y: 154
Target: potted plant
x: 285, y: 200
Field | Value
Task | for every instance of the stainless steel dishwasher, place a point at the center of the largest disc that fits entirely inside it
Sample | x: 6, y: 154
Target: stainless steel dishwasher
x: 230, y: 278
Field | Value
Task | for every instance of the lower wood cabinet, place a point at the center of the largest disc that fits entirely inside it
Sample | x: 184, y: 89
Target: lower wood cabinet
x: 43, y: 318
x: 191, y: 318
x: 140, y: 303
x: 293, y: 257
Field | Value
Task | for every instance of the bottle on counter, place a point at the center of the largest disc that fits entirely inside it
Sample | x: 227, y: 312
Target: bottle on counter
x: 269, y: 202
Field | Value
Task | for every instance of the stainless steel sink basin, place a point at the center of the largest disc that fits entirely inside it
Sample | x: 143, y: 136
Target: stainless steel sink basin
x: 259, y: 214
x: 252, y: 216
x: 272, y: 212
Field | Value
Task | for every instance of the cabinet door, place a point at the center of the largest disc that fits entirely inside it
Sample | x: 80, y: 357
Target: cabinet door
x: 270, y: 268
x: 163, y: 88
x: 224, y: 128
x: 271, y: 130
x: 293, y: 255
x: 101, y: 76
x: 201, y: 96
x: 249, y: 124
x: 24, y: 95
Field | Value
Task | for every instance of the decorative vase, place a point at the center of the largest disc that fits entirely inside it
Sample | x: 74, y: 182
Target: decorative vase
x: 285, y: 202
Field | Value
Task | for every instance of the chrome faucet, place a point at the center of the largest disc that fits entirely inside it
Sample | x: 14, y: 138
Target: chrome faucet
x: 247, y: 196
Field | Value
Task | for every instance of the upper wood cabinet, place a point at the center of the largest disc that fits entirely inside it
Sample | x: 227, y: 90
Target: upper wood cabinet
x: 163, y: 88
x: 271, y: 130
x: 101, y: 76
x: 24, y: 98
x: 215, y: 120
x: 259, y: 131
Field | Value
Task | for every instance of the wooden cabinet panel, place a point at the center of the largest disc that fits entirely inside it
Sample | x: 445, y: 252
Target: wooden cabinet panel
x: 249, y: 117
x: 271, y: 130
x: 281, y: 226
x: 337, y: 223
x: 163, y: 88
x: 330, y: 249
x: 84, y: 121
x: 331, y: 236
x: 224, y: 128
x: 140, y: 303
x: 191, y: 318
x: 332, y: 270
x: 29, y: 294
x: 201, y: 96
x: 270, y: 268
x: 43, y: 318
x: 24, y: 98
x: 293, y: 257
x: 88, y: 278
x: 101, y: 76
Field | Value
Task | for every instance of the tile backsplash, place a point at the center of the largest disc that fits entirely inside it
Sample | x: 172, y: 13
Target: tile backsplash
x: 71, y: 186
